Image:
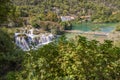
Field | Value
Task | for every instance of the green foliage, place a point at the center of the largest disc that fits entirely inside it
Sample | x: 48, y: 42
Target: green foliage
x: 10, y: 57
x: 34, y: 22
x: 77, y: 59
x: 115, y: 17
x: 102, y: 14
x: 49, y: 26
x: 100, y: 10
x: 10, y: 64
x: 51, y: 17
x: 6, y: 44
x: 9, y: 14
x: 47, y: 22
x: 5, y: 7
x: 11, y: 76
x: 41, y: 17
x: 118, y: 28
x: 66, y: 25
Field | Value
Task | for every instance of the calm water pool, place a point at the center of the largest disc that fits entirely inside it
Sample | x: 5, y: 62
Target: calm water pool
x: 104, y: 27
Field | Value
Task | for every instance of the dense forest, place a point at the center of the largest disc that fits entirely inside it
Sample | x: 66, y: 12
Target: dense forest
x: 62, y: 59
x: 99, y: 10
x: 46, y: 14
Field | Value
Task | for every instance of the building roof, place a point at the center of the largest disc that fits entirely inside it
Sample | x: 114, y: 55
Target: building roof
x: 67, y: 18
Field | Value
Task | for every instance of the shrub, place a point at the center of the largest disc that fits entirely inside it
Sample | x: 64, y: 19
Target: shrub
x: 10, y: 57
x: 6, y: 43
x: 77, y: 59
x: 118, y: 28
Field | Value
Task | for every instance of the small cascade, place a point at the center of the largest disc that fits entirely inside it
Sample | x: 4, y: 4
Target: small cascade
x: 25, y: 44
x: 27, y: 40
x: 22, y: 43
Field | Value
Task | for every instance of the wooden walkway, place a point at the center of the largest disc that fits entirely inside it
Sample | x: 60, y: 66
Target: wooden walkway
x: 89, y: 33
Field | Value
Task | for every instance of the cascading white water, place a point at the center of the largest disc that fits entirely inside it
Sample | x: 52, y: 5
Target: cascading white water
x: 32, y: 41
x: 22, y: 43
x: 25, y: 44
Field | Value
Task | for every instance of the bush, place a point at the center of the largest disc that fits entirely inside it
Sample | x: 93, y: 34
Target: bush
x: 77, y: 59
x: 115, y: 17
x: 118, y: 28
x: 66, y: 25
x: 6, y: 43
x: 10, y: 57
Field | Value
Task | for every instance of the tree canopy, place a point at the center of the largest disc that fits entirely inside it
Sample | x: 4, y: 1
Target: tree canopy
x: 77, y: 59
x: 99, y: 10
x: 5, y: 10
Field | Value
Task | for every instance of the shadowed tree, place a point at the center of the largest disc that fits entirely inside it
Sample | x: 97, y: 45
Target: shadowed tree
x: 5, y: 10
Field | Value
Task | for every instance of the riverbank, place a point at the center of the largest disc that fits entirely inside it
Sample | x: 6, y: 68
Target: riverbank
x: 84, y: 29
x: 113, y: 36
x: 104, y: 31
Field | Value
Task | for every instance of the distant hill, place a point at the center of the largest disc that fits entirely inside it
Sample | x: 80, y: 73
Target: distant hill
x: 100, y: 10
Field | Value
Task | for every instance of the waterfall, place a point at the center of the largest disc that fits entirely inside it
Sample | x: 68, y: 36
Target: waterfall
x: 31, y: 41
x: 22, y: 43
x: 25, y: 44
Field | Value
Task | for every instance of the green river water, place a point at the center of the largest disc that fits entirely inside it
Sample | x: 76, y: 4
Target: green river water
x: 101, y: 27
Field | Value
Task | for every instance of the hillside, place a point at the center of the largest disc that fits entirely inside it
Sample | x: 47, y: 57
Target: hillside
x: 77, y: 58
x: 99, y: 10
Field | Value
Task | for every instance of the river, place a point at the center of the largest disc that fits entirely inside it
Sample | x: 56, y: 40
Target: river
x: 86, y: 27
x: 102, y: 27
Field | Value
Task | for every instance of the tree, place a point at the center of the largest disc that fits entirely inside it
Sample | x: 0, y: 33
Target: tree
x: 5, y: 10
x: 77, y: 59
x: 9, y: 58
x: 51, y: 17
x: 6, y: 44
x: 118, y: 27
